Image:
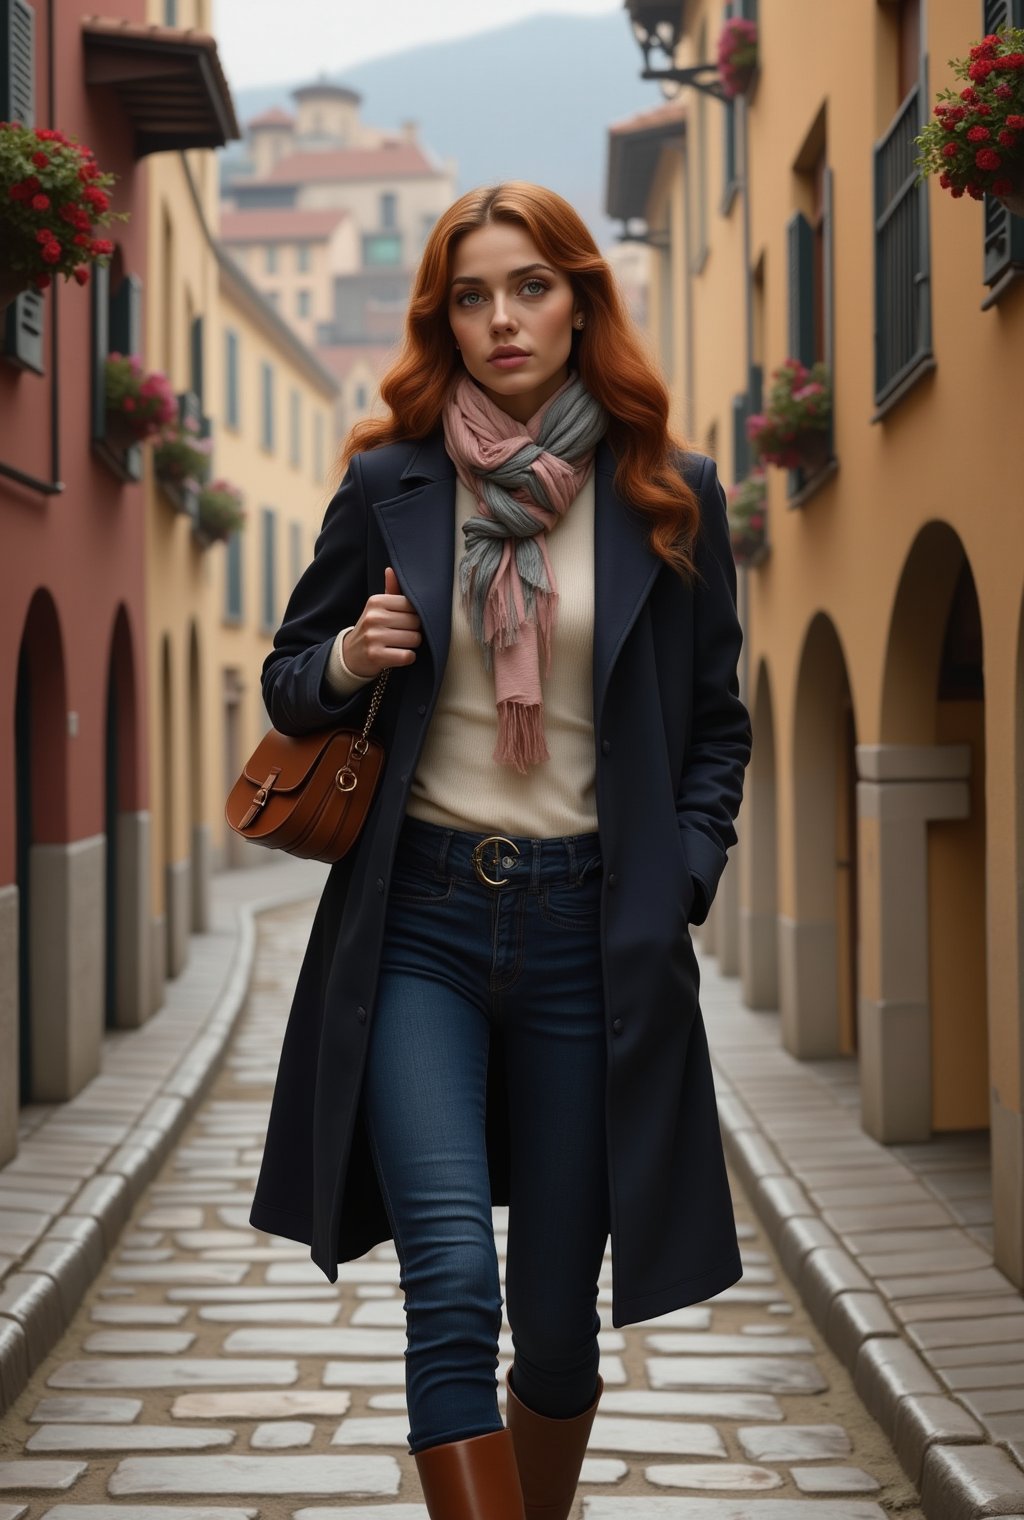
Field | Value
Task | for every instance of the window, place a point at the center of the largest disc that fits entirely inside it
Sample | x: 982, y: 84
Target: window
x: 1003, y: 234
x: 116, y: 328
x: 231, y: 407
x: 381, y: 248
x: 268, y: 529
x: 273, y: 297
x: 295, y: 428
x: 21, y: 325
x: 270, y: 258
x: 170, y: 12
x: 389, y: 209
x: 267, y: 405
x: 233, y: 578
x: 295, y: 545
x: 197, y: 367
x: 360, y: 397
x: 303, y: 258
x: 810, y: 298
x: 903, y: 328
x: 730, y: 182
x: 303, y: 303
x: 318, y: 446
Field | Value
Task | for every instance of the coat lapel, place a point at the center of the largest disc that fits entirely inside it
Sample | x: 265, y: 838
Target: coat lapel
x: 418, y: 526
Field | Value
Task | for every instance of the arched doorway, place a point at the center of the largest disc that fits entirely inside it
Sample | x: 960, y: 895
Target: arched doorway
x: 759, y: 958
x: 922, y: 826
x: 817, y: 946
x: 47, y: 1070
x: 126, y: 827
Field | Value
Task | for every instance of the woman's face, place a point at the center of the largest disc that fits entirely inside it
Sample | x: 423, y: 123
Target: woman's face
x: 499, y: 300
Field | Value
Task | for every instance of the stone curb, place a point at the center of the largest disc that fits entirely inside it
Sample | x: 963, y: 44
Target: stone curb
x: 40, y: 1299
x: 942, y: 1449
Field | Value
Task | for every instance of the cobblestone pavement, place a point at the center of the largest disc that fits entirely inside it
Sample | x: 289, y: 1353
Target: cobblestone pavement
x: 213, y: 1374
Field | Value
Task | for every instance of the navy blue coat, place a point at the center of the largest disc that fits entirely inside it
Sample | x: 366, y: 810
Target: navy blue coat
x: 671, y: 740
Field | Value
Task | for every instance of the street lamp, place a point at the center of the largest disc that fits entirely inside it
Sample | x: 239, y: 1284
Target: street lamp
x: 656, y: 27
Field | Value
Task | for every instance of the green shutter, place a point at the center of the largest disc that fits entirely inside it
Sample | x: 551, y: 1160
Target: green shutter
x: 1003, y: 233
x: 740, y: 448
x: 800, y: 245
x: 23, y: 318
x: 197, y: 366
x: 101, y: 347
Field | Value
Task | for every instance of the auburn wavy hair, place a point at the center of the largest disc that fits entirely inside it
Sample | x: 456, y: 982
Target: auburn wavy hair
x: 608, y: 353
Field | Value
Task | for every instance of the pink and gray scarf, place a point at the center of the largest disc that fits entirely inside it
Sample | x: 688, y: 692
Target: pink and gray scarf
x: 524, y: 476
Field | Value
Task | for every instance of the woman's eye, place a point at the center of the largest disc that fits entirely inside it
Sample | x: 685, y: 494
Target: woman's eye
x: 534, y: 281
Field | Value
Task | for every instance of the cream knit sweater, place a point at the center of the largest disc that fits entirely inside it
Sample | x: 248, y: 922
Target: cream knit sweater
x: 457, y: 784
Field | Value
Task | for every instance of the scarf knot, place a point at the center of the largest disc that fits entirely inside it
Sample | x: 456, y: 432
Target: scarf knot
x: 524, y: 476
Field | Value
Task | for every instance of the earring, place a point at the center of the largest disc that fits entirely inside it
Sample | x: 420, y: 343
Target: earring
x: 579, y: 321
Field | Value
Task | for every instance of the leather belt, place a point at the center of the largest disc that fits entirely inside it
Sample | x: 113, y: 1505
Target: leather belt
x: 497, y: 861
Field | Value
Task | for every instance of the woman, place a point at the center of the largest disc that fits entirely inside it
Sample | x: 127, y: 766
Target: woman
x: 498, y: 1004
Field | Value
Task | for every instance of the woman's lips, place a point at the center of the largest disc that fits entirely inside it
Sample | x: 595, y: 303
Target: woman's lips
x: 509, y: 361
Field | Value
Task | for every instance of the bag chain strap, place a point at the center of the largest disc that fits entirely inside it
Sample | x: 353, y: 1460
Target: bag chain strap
x: 378, y: 692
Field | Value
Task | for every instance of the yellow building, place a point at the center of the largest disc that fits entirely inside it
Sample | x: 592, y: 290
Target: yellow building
x: 875, y: 899
x: 276, y: 439
x: 293, y: 258
x: 265, y: 406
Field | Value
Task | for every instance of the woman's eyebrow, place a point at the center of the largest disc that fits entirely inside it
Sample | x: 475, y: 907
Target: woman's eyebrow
x: 474, y: 279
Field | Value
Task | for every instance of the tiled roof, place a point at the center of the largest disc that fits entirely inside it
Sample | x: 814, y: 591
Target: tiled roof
x: 278, y: 225
x: 340, y: 358
x: 404, y: 160
x: 275, y: 117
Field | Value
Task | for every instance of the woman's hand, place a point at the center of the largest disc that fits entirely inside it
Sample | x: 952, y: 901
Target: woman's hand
x: 386, y: 634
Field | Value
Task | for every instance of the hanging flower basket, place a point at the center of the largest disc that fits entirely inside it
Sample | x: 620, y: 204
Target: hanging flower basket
x: 181, y: 459
x: 976, y: 141
x: 747, y: 505
x: 138, y: 406
x: 220, y: 513
x: 793, y: 430
x: 737, y: 56
x: 53, y: 196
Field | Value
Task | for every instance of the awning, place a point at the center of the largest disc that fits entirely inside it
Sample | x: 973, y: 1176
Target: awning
x: 168, y: 80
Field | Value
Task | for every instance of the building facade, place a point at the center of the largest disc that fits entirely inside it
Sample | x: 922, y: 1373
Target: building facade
x: 875, y: 896
x: 75, y: 795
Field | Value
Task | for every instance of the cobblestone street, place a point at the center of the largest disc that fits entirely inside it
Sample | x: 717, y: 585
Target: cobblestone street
x: 213, y: 1374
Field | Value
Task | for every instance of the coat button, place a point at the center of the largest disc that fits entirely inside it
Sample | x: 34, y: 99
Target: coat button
x: 422, y: 708
x: 380, y: 884
x: 612, y: 878
x: 404, y: 776
x: 606, y: 746
x: 361, y: 1015
x: 617, y: 1026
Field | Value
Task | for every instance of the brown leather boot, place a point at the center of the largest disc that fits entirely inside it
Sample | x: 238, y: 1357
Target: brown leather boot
x: 475, y: 1479
x: 549, y: 1454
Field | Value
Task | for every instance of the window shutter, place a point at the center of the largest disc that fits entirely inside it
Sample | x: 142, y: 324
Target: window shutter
x: 101, y: 346
x: 23, y: 319
x: 748, y: 10
x: 755, y: 390
x: 903, y: 328
x: 800, y: 243
x: 126, y: 316
x: 740, y: 447
x: 196, y: 361
x: 1003, y: 233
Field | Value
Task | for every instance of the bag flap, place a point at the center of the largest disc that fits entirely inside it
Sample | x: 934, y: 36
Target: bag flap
x: 293, y: 758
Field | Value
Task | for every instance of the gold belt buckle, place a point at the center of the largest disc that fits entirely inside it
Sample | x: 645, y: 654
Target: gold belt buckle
x: 478, y: 850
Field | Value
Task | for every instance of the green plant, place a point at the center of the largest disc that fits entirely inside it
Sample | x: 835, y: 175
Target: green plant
x: 976, y: 141
x: 182, y: 456
x: 747, y: 509
x: 799, y: 405
x: 220, y: 510
x: 145, y: 403
x: 53, y: 196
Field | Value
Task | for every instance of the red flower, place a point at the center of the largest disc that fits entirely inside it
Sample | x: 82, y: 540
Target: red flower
x: 987, y: 159
x: 40, y: 159
x: 81, y: 240
x: 1003, y: 92
x: 983, y: 110
x: 51, y: 253
x: 81, y: 273
x: 974, y: 191
x: 944, y: 180
x: 96, y: 197
x: 1016, y: 122
x: 956, y: 191
x: 18, y: 193
x: 949, y: 150
x: 1007, y: 139
x: 102, y: 246
x: 969, y: 94
x: 1002, y: 186
x: 41, y: 281
x: 40, y: 203
x: 32, y: 183
x: 978, y: 134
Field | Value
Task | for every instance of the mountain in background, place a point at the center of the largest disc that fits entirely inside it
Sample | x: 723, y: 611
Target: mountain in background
x: 531, y: 100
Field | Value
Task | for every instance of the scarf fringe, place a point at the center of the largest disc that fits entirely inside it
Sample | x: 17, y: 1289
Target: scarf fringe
x: 521, y: 740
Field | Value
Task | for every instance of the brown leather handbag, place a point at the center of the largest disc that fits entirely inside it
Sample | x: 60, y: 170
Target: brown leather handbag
x: 309, y: 796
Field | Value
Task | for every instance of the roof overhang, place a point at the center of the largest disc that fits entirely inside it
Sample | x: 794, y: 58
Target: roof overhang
x: 633, y: 157
x: 169, y: 82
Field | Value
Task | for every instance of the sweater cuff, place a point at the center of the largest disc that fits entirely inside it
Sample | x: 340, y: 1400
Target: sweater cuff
x: 342, y: 680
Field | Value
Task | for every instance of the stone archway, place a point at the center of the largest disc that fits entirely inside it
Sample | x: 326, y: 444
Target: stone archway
x: 759, y: 960
x: 921, y: 826
x: 816, y: 953
x: 127, y: 994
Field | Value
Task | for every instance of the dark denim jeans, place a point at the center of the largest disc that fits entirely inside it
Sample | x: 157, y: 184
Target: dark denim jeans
x: 459, y: 960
